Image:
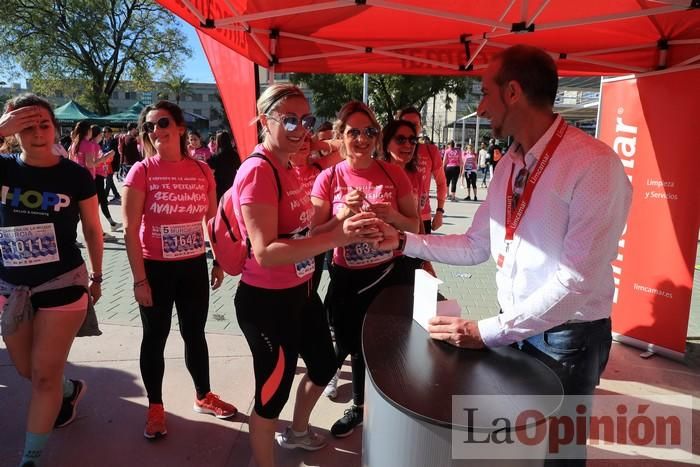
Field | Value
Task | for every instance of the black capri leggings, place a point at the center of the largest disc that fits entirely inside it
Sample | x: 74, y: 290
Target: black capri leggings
x: 280, y: 325
x: 452, y: 175
x: 470, y: 178
x: 102, y: 196
x: 185, y: 284
x: 350, y: 294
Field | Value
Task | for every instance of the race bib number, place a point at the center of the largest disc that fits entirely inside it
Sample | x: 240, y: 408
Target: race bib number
x: 308, y: 265
x: 363, y: 254
x: 182, y: 240
x: 28, y: 245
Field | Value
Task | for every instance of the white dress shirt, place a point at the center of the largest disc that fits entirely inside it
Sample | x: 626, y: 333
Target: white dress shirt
x: 558, y: 267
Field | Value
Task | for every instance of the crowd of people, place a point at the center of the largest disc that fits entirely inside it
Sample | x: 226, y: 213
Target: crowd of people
x: 351, y: 196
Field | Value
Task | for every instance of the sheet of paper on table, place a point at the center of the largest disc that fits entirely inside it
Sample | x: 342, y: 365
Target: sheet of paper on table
x: 425, y: 304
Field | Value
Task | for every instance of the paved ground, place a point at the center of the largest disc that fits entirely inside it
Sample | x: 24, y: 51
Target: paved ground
x: 108, y: 430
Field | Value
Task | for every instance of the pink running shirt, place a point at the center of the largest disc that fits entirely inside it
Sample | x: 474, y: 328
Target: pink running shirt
x: 177, y: 200
x: 306, y: 174
x: 453, y: 157
x: 379, y: 186
x: 428, y: 159
x: 255, y: 183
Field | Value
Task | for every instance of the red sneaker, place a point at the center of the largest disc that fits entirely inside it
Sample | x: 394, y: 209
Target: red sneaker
x: 212, y: 404
x: 155, y: 422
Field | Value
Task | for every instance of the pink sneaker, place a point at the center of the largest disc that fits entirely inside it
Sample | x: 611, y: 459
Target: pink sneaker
x: 212, y: 404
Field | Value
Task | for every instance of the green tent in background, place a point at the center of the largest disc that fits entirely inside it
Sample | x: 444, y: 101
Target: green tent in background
x: 71, y: 112
x: 121, y: 119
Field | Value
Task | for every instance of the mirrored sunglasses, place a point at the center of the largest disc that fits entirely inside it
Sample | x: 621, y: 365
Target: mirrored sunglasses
x: 291, y: 122
x: 150, y: 127
x: 401, y: 140
x: 370, y: 132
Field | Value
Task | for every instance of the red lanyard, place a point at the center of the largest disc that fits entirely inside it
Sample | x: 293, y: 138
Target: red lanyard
x: 514, y: 217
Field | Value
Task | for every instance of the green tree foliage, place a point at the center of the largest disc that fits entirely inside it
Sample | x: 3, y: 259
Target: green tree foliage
x: 387, y: 93
x: 175, y: 87
x: 86, y: 47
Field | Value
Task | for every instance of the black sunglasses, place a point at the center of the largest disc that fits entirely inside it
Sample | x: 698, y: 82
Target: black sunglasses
x: 291, y: 122
x: 150, y: 127
x: 401, y: 140
x: 370, y: 132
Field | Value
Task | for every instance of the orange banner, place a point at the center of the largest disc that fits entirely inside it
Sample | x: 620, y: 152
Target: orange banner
x: 235, y: 78
x: 651, y: 123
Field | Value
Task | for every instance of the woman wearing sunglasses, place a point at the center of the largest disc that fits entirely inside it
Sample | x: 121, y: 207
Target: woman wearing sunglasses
x: 276, y: 308
x: 45, y: 289
x: 166, y: 198
x: 359, y: 272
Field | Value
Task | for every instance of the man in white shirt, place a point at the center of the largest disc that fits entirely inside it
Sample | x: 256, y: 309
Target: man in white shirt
x: 554, y: 213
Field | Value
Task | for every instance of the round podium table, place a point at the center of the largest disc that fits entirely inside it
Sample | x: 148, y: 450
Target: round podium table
x: 408, y: 419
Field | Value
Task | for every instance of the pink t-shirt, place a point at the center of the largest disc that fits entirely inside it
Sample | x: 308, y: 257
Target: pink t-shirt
x: 306, y: 174
x: 428, y: 159
x: 453, y: 157
x: 255, y: 183
x: 385, y: 184
x: 469, y: 162
x: 177, y: 200
x: 200, y: 154
x: 86, y: 149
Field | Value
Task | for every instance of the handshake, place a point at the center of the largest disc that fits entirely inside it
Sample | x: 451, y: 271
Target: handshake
x: 369, y: 228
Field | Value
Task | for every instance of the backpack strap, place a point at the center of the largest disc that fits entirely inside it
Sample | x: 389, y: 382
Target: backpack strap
x: 274, y: 171
x: 386, y: 172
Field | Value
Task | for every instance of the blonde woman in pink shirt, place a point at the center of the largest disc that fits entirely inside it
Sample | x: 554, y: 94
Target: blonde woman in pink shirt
x: 278, y: 311
x: 166, y: 197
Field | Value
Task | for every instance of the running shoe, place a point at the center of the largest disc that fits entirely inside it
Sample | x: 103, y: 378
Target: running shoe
x: 212, y: 404
x: 331, y: 390
x: 69, y: 406
x: 155, y: 422
x: 346, y: 425
x: 309, y: 441
x: 114, y: 227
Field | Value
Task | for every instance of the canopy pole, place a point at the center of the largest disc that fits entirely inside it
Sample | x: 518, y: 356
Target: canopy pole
x: 365, y: 88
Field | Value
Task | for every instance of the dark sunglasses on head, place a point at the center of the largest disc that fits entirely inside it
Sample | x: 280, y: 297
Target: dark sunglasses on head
x: 291, y: 122
x: 150, y: 127
x: 401, y: 140
x: 370, y: 132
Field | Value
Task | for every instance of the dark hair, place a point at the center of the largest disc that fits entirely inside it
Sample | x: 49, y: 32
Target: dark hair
x: 409, y: 110
x: 224, y: 145
x: 28, y: 100
x: 194, y: 133
x: 94, y: 131
x: 325, y: 126
x: 106, y: 129
x: 533, y: 69
x: 388, y: 133
x: 81, y: 130
x: 132, y: 126
x: 177, y: 116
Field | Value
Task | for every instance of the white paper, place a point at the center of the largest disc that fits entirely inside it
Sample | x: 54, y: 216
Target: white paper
x: 425, y: 304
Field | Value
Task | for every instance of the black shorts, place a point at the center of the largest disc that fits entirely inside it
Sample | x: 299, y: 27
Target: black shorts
x: 280, y: 325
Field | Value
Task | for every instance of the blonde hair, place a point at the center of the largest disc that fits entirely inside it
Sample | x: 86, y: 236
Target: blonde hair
x: 341, y: 123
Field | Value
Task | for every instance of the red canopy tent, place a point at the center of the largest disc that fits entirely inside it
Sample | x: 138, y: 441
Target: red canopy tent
x: 447, y: 37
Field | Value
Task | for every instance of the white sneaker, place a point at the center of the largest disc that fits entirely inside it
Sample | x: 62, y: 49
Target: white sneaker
x: 309, y: 442
x: 331, y: 390
x: 116, y: 226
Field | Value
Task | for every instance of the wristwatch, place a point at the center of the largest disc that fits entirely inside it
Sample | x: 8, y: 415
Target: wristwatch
x: 440, y: 210
x: 402, y: 241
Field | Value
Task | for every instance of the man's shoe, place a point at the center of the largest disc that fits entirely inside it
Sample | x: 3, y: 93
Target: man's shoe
x: 467, y: 198
x: 309, y: 441
x: 346, y: 425
x: 331, y: 390
x: 69, y: 405
x: 212, y: 404
x: 115, y: 226
x: 155, y: 422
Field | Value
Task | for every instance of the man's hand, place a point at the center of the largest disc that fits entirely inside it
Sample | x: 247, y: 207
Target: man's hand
x: 389, y: 237
x: 456, y: 331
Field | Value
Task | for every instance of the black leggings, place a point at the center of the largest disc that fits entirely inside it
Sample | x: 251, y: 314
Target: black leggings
x: 470, y: 178
x: 351, y: 293
x: 184, y: 283
x: 110, y: 186
x: 452, y: 175
x: 280, y: 325
x: 102, y: 197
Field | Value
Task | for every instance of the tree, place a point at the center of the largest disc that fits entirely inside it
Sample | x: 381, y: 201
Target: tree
x: 176, y: 86
x: 388, y: 93
x: 89, y: 45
